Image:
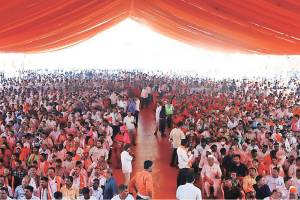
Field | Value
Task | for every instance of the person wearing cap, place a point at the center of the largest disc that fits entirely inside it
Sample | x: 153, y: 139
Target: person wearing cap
x: 211, y: 177
x: 142, y: 182
x: 249, y: 180
x: 188, y: 190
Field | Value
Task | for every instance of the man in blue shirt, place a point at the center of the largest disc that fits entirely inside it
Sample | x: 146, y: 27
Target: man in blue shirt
x: 110, y: 187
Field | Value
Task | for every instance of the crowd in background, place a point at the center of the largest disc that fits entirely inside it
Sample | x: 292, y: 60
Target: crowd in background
x: 62, y: 134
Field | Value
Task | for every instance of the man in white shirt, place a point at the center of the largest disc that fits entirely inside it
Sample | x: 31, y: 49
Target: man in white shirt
x: 96, y: 190
x: 123, y: 193
x: 275, y: 181
x: 211, y: 176
x: 184, y: 161
x: 126, y: 160
x: 176, y: 135
x: 144, y: 98
x: 137, y: 111
x: 188, y: 190
x: 157, y: 111
x: 97, y: 151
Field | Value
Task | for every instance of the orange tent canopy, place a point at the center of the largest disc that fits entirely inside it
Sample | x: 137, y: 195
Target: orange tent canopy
x: 265, y: 26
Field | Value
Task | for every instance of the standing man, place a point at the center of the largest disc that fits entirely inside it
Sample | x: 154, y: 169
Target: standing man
x: 110, y: 187
x: 137, y: 111
x: 188, y: 190
x: 142, y: 182
x: 184, y: 162
x: 162, y: 120
x: 126, y: 159
x: 176, y: 135
x: 157, y: 112
x: 169, y: 112
x: 144, y: 98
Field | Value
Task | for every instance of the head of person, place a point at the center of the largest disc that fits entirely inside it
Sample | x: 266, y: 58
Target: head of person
x: 210, y: 160
x: 58, y: 163
x: 288, y: 182
x: 228, y: 182
x: 298, y: 173
x: 260, y: 181
x: 123, y: 191
x: 3, y: 193
x: 190, y: 177
x: 69, y: 181
x: 58, y: 195
x: 148, y: 164
x: 109, y: 173
x: 276, y: 194
x: 275, y: 172
x: 252, y: 172
x: 51, y: 172
x: 127, y: 147
x: 236, y: 159
x: 86, y: 193
x: 264, y: 148
x: 293, y: 193
x: 44, y: 182
x: 254, y: 153
x: 28, y: 191
x: 233, y: 175
x: 25, y: 181
x: 96, y: 184
x: 184, y: 143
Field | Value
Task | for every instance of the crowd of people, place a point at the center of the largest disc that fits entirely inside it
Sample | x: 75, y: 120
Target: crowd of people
x: 63, y: 134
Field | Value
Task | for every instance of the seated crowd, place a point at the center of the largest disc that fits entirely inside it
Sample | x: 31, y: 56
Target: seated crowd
x: 242, y: 138
x: 62, y: 134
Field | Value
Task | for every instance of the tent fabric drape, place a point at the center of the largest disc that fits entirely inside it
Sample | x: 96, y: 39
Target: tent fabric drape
x: 265, y: 26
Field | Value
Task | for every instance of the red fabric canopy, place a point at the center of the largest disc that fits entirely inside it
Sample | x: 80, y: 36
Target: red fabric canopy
x: 264, y: 26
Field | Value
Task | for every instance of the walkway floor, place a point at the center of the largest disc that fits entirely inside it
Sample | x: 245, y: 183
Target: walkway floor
x: 158, y: 150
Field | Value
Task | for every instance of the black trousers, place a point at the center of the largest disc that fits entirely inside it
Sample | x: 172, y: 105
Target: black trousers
x: 144, y: 102
x: 138, y: 197
x: 136, y: 115
x: 162, y: 126
x: 116, y: 130
x: 169, y: 121
x: 174, y: 159
x: 181, y: 178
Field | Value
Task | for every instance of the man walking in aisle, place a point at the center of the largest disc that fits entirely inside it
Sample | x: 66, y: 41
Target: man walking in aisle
x: 142, y: 182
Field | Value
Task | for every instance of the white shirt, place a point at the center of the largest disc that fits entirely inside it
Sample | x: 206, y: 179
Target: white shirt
x: 96, y: 153
x: 117, y: 197
x: 176, y: 135
x: 158, y: 109
x: 211, y: 171
x: 275, y: 183
x: 144, y: 93
x: 129, y: 122
x: 188, y: 192
x: 183, y: 158
x: 97, y: 194
x: 137, y: 105
x: 126, y: 159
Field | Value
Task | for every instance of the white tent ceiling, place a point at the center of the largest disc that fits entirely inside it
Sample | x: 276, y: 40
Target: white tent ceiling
x: 130, y: 45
